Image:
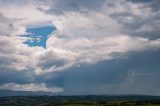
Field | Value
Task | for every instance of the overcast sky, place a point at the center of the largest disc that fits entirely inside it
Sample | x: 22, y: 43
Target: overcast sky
x: 79, y: 47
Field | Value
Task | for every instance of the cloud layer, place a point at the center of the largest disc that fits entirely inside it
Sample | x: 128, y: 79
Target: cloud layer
x: 87, y: 34
x: 30, y: 87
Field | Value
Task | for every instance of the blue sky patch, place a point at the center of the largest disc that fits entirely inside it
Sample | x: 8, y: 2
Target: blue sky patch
x: 37, y: 36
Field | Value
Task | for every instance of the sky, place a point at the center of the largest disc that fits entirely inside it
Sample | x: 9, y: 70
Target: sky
x: 79, y: 47
x: 38, y: 35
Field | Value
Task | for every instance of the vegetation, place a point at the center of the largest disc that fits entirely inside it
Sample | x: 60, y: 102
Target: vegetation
x: 130, y: 100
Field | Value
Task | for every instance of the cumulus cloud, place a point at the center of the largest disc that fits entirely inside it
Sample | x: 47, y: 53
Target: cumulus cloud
x: 30, y: 87
x: 87, y: 32
x: 6, y: 25
x: 78, y: 41
x: 138, y: 18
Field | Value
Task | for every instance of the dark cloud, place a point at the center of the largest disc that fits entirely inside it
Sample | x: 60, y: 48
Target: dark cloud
x: 12, y: 76
x: 154, y: 4
x: 50, y: 59
x: 141, y: 67
x: 140, y: 1
x: 138, y: 73
x: 62, y: 6
x: 144, y: 24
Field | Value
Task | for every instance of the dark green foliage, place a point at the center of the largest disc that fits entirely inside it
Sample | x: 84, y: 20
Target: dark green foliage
x: 130, y: 100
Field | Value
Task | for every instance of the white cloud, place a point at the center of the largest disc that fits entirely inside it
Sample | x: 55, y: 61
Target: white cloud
x: 94, y: 37
x: 30, y: 87
x: 6, y: 26
x: 81, y: 38
x: 18, y: 17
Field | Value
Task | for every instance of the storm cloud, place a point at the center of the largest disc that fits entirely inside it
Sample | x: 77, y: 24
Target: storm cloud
x: 97, y: 47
